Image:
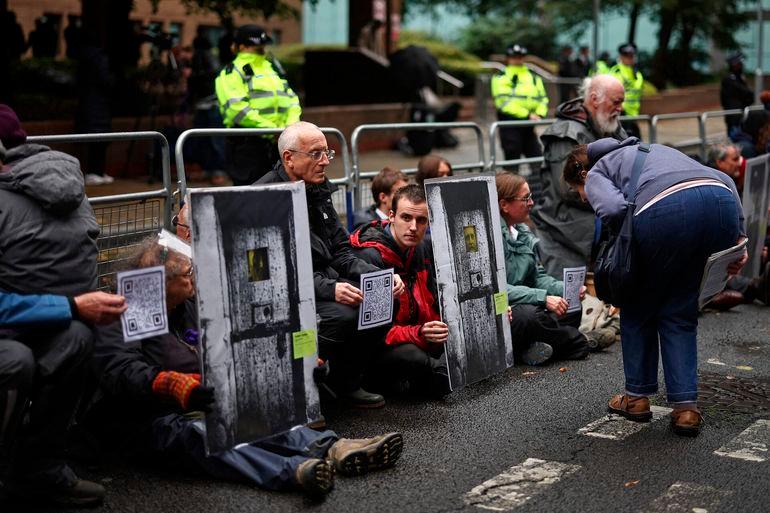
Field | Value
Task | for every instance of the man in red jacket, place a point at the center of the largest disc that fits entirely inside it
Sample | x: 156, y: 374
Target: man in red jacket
x: 416, y: 340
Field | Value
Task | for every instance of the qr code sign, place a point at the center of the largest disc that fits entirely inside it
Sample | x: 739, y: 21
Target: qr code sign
x: 377, y: 307
x: 145, y: 293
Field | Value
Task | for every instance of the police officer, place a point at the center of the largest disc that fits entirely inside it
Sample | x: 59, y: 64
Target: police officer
x: 252, y: 95
x: 519, y: 95
x: 632, y: 81
x: 735, y: 93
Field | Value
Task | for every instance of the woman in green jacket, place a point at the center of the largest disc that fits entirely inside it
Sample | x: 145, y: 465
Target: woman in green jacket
x: 541, y: 327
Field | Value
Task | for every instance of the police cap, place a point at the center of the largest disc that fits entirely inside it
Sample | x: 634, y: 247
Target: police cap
x: 627, y: 49
x: 735, y: 57
x: 252, y: 35
x: 516, y: 50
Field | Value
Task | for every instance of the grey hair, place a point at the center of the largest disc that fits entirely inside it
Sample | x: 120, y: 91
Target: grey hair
x: 291, y: 135
x: 719, y: 151
x: 598, y: 85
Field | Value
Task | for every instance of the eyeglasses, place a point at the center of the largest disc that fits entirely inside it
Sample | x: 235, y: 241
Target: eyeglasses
x: 525, y: 199
x: 175, y: 222
x: 318, y: 155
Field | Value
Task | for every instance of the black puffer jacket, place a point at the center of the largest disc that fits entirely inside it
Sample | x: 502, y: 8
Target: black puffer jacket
x: 333, y: 258
x: 47, y: 227
x: 126, y: 370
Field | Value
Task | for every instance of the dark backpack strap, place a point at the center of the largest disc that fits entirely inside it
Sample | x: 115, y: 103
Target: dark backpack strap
x: 641, y: 155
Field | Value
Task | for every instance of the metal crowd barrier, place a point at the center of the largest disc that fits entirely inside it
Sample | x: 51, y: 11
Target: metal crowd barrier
x: 494, y: 128
x: 342, y: 199
x: 656, y: 119
x: 705, y: 140
x: 359, y: 175
x: 125, y: 219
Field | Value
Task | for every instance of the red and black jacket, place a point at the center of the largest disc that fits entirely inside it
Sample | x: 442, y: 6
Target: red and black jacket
x: 418, y: 304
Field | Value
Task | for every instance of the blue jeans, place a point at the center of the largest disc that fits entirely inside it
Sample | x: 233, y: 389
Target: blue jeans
x: 270, y: 463
x: 673, y: 239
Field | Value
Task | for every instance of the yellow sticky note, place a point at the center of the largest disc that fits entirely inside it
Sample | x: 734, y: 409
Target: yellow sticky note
x: 304, y: 343
x: 501, y: 303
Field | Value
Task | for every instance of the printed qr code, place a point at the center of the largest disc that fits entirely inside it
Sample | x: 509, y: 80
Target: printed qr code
x: 377, y: 306
x: 145, y: 297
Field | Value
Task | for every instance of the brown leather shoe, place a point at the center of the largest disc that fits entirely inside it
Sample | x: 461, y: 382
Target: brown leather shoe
x: 632, y: 408
x: 354, y: 457
x: 315, y: 477
x: 686, y: 422
x: 725, y: 300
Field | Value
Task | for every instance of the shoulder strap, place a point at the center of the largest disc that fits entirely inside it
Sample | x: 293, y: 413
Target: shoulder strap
x: 641, y: 155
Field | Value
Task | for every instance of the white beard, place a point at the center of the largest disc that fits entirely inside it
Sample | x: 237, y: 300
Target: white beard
x: 606, y: 124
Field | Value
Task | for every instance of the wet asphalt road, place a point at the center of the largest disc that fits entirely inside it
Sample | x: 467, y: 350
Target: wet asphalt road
x: 454, y: 445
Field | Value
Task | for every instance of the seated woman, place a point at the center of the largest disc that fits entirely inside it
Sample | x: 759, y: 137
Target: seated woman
x: 151, y: 397
x: 432, y: 166
x: 540, y: 325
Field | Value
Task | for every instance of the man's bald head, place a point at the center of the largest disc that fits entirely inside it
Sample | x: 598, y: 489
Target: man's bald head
x: 603, y: 99
x: 297, y: 145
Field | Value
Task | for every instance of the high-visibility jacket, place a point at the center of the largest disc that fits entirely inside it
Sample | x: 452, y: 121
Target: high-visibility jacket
x: 600, y: 68
x: 632, y: 82
x: 518, y: 93
x: 252, y: 95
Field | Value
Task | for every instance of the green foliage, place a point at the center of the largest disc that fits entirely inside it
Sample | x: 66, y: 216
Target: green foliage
x: 493, y: 34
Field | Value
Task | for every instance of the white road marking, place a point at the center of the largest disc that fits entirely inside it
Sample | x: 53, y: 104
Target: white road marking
x: 518, y: 484
x: 687, y: 498
x: 750, y: 445
x: 615, y: 427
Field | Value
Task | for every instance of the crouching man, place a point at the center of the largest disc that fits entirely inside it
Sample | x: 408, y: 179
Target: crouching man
x: 417, y: 337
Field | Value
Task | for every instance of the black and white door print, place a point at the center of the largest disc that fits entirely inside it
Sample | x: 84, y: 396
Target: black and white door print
x: 254, y: 282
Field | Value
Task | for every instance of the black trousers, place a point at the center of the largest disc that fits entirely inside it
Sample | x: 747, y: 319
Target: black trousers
x: 47, y: 366
x: 349, y: 351
x: 533, y: 323
x: 249, y: 158
x: 401, y: 363
x: 517, y: 141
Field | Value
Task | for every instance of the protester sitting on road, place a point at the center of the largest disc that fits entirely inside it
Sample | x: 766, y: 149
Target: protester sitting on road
x: 684, y: 213
x: 432, y: 166
x: 408, y: 359
x: 337, y: 270
x: 540, y: 324
x: 384, y: 185
x: 48, y: 267
x: 151, y: 397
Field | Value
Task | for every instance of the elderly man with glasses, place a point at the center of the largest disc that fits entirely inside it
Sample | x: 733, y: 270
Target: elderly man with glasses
x: 337, y: 270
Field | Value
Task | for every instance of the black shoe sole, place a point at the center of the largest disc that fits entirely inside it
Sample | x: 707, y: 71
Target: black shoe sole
x: 382, y: 455
x: 634, y: 417
x: 692, y: 432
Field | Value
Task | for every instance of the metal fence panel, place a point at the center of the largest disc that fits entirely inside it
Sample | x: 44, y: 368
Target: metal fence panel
x: 345, y: 184
x: 360, y: 187
x: 125, y: 219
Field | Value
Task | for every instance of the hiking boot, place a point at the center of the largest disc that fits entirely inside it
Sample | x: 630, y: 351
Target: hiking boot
x: 537, y: 353
x: 315, y: 477
x: 360, y: 398
x: 686, y: 422
x: 357, y: 456
x: 601, y: 338
x: 630, y: 407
